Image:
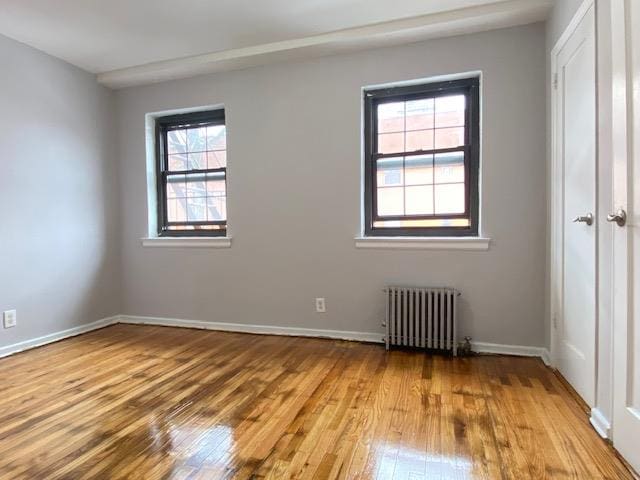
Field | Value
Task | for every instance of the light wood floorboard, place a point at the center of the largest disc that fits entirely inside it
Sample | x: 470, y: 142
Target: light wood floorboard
x: 143, y: 402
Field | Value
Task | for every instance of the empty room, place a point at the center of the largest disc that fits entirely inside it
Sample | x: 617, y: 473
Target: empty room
x: 319, y: 239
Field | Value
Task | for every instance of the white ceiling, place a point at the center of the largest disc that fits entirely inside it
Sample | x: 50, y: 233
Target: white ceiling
x: 105, y: 35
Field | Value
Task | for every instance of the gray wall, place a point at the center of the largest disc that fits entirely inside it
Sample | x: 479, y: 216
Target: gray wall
x: 562, y: 13
x: 59, y: 253
x: 294, y: 195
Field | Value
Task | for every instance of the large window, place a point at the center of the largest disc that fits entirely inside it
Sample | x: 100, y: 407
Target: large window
x: 192, y: 174
x: 421, y: 159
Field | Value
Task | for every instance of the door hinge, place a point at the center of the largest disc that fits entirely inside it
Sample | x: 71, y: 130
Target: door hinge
x: 555, y: 81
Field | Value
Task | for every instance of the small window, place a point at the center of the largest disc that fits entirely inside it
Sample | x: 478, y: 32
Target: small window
x: 192, y: 174
x: 422, y: 159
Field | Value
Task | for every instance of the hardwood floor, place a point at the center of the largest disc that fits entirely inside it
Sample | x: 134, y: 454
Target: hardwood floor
x: 141, y: 402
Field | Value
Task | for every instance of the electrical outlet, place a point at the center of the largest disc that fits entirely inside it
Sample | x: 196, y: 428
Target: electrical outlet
x: 321, y: 306
x: 9, y: 318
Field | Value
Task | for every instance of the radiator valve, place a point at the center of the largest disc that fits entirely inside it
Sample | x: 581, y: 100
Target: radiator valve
x: 465, y: 348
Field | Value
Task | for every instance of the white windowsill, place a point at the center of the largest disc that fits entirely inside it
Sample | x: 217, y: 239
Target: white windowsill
x: 187, y: 242
x: 425, y: 243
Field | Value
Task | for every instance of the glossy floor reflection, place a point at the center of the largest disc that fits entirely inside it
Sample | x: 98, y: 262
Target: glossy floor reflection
x: 141, y: 402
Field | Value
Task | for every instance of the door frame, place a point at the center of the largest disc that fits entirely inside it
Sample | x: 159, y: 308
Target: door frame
x: 556, y: 207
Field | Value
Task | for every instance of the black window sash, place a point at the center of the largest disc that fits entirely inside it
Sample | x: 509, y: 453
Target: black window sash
x: 470, y: 89
x: 165, y: 125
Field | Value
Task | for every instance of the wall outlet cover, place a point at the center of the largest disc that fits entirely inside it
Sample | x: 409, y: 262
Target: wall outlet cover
x: 9, y: 318
x: 321, y: 305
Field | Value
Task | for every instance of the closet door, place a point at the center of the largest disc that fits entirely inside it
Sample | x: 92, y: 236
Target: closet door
x: 575, y: 222
x: 625, y: 222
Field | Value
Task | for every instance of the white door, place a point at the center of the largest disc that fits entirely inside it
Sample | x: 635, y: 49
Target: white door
x: 575, y: 155
x: 625, y: 17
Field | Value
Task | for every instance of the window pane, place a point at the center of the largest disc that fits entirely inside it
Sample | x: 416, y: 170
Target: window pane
x: 419, y: 200
x: 432, y: 223
x: 450, y: 198
x: 391, y: 142
x: 217, y: 137
x: 216, y: 208
x: 177, y: 162
x: 216, y: 188
x: 419, y: 170
x: 196, y: 209
x: 180, y: 227
x: 197, y: 161
x: 420, y: 114
x: 197, y: 139
x: 449, y: 167
x: 217, y: 159
x: 450, y: 137
x: 419, y: 140
x: 391, y: 117
x: 176, y: 186
x: 389, y: 171
x: 176, y: 210
x: 450, y: 111
x: 196, y: 187
x: 391, y: 201
x: 197, y: 227
x: 176, y: 141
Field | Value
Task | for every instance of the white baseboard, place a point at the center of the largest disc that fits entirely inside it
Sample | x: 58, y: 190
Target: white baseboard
x: 260, y: 329
x: 546, y: 357
x: 54, y: 337
x: 519, y: 350
x: 600, y: 423
x: 373, y: 337
x: 480, y: 347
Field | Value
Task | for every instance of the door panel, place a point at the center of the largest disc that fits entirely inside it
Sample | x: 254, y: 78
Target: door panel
x: 576, y: 113
x: 625, y: 15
